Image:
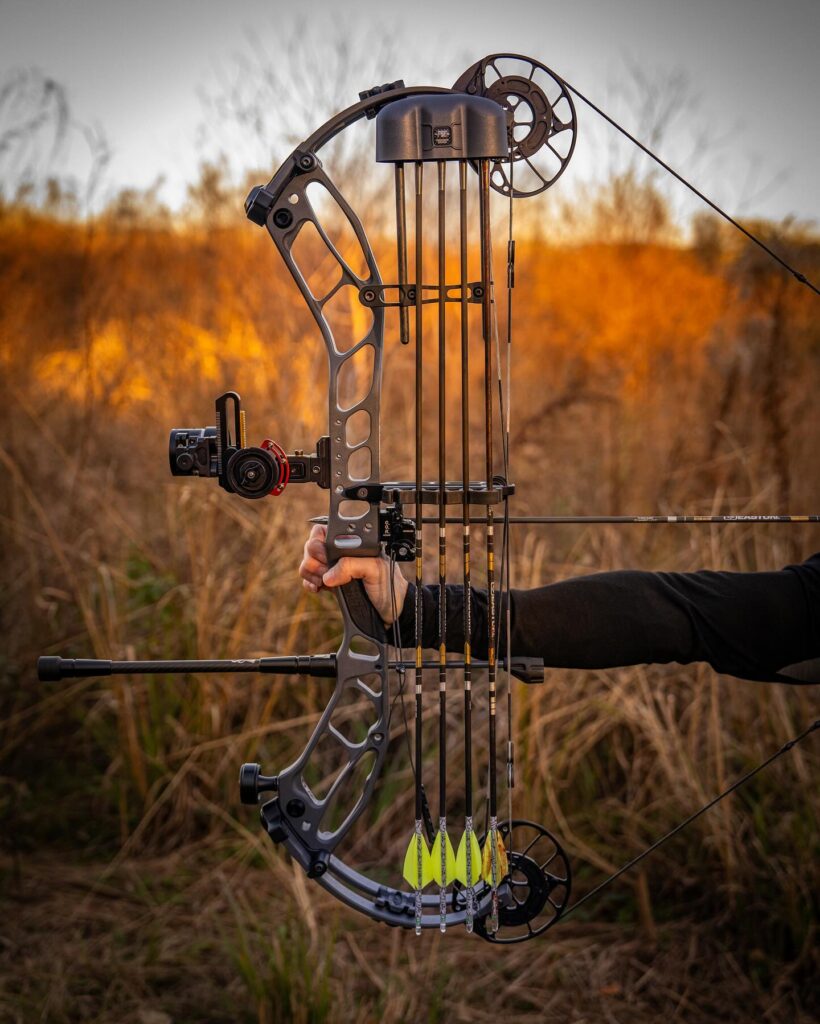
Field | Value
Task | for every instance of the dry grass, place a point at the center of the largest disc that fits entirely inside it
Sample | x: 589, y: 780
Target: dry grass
x: 203, y: 934
x: 648, y: 378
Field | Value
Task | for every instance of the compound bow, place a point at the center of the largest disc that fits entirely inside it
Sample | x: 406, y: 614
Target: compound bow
x: 514, y: 133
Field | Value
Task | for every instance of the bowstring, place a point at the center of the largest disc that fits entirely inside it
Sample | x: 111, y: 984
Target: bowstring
x: 400, y: 668
x: 504, y: 379
x: 802, y: 279
x: 692, y: 817
x: 506, y: 550
x: 796, y: 274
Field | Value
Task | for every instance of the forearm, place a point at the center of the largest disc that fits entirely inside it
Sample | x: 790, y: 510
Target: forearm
x: 747, y: 624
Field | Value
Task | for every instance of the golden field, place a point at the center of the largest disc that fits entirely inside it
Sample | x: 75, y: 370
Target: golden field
x: 654, y: 370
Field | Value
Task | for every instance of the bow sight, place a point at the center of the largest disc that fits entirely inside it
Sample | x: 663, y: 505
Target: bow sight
x: 247, y: 471
x: 257, y: 472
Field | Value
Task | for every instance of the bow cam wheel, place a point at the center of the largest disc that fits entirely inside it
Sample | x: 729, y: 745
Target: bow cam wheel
x: 541, y: 120
x: 536, y: 891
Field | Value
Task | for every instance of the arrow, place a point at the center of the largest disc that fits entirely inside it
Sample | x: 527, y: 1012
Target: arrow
x: 418, y: 871
x: 443, y: 857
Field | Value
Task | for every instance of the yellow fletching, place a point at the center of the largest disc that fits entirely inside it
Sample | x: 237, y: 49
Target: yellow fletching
x: 502, y: 867
x: 475, y: 860
x: 411, y: 863
x: 447, y: 876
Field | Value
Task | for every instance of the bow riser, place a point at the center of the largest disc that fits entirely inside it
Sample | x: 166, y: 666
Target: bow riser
x: 347, y: 534
x: 298, y: 816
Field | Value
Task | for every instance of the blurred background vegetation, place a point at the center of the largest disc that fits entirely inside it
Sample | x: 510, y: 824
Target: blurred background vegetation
x: 661, y: 365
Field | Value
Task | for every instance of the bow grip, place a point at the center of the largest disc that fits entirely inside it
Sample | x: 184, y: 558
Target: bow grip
x: 354, y: 600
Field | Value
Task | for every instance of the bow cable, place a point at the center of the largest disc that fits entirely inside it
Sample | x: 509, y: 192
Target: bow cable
x: 796, y: 274
x: 493, y: 868
x: 504, y: 406
x: 506, y: 554
x: 692, y: 817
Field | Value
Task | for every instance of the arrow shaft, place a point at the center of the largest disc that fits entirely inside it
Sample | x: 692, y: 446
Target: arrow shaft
x: 419, y: 403
x: 683, y: 520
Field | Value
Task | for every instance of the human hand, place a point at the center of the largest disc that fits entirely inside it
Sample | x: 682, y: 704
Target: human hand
x: 373, y: 572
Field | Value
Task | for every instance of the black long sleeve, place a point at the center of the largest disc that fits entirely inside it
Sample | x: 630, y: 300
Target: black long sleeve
x: 759, y: 625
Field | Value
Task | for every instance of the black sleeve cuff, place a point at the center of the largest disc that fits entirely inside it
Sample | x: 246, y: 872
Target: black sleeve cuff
x: 454, y: 621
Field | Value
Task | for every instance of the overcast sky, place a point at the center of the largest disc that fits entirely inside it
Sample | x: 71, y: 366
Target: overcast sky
x: 137, y: 68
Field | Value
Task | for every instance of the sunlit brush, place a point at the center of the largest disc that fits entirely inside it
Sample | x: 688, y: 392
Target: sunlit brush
x: 494, y: 119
